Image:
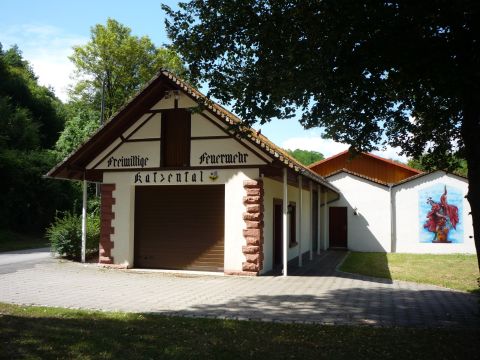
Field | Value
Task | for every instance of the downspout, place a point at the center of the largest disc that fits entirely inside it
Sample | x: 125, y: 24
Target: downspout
x: 393, y: 232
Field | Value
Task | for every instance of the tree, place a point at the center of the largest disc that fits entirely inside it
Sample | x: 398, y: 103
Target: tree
x: 121, y: 62
x: 36, y: 108
x: 82, y: 122
x: 424, y: 163
x: 368, y: 72
x: 30, y: 119
x: 306, y: 157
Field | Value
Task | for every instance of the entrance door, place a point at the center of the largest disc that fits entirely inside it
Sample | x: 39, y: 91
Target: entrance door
x: 179, y: 227
x: 277, y: 233
x: 338, y: 227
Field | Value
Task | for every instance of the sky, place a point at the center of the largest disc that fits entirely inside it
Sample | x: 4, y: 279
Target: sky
x: 46, y: 30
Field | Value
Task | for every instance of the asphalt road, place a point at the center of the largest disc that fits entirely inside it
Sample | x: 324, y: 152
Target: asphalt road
x: 12, y: 261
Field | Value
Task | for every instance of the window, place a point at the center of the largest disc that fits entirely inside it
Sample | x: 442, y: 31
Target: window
x: 175, y: 141
x: 292, y: 221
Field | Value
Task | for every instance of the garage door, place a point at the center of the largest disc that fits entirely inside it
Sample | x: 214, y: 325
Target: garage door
x: 179, y: 227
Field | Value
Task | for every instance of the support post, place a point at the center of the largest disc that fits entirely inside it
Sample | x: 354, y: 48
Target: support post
x: 285, y: 222
x: 299, y: 227
x: 311, y: 220
x: 84, y: 219
x: 319, y: 216
x: 325, y: 219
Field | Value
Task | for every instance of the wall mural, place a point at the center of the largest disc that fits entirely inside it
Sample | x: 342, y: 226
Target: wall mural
x: 441, y: 214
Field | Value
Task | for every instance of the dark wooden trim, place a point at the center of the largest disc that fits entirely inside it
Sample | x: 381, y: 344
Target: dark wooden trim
x: 119, y: 123
x: 162, y: 135
x: 139, y: 126
x: 175, y: 102
x: 209, y: 137
x: 109, y: 153
x: 189, y: 142
x: 124, y: 140
x: 141, y: 140
x: 234, y: 137
x: 181, y: 168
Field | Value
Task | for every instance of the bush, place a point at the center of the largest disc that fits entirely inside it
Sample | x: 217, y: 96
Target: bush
x: 65, y: 235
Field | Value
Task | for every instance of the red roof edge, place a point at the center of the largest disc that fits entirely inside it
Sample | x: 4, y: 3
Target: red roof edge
x: 327, y: 159
x: 406, y: 167
x: 388, y: 161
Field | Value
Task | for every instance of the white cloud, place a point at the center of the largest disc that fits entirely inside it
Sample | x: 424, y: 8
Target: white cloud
x: 47, y: 49
x: 329, y: 147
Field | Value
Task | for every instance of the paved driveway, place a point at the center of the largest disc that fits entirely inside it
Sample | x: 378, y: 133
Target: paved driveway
x: 22, y: 259
x: 316, y: 293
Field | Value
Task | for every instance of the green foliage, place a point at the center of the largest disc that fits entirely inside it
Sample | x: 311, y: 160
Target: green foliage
x: 306, y: 157
x: 37, y: 105
x: 11, y: 240
x: 55, y: 333
x: 427, y: 162
x: 78, y: 128
x: 30, y: 120
x: 455, y: 271
x: 348, y: 66
x: 369, y: 73
x: 65, y: 234
x: 29, y: 201
x: 125, y: 62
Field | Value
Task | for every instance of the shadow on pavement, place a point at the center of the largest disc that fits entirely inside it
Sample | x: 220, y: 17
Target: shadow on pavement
x: 372, y: 306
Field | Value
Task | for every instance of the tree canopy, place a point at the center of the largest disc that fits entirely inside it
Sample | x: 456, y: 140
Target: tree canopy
x: 424, y: 163
x: 370, y: 73
x: 306, y: 157
x: 31, y: 118
x: 121, y: 61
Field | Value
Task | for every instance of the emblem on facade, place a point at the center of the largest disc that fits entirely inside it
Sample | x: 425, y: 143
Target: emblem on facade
x: 213, y: 175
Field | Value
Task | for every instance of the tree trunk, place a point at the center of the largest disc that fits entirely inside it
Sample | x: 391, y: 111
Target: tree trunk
x: 471, y: 137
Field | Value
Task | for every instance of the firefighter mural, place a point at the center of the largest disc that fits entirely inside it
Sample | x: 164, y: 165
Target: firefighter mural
x: 440, y: 215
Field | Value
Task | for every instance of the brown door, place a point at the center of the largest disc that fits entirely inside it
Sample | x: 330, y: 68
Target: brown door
x: 338, y: 227
x: 277, y: 233
x: 175, y: 138
x: 179, y: 227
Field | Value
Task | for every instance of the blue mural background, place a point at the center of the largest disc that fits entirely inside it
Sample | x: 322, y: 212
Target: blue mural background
x: 454, y: 197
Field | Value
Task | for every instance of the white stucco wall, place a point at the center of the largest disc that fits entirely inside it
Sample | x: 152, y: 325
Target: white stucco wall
x: 124, y: 208
x: 370, y: 229
x: 408, y: 223
x: 274, y: 190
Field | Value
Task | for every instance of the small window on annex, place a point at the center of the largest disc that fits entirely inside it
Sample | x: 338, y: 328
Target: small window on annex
x: 292, y: 224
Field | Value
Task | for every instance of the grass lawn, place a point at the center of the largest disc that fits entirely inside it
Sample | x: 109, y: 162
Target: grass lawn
x: 49, y: 333
x: 10, y: 241
x: 455, y: 271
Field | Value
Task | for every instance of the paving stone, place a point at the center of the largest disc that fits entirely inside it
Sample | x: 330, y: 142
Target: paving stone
x: 314, y: 293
